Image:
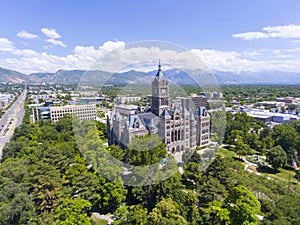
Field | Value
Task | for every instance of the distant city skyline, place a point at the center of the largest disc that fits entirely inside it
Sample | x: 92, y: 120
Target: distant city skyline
x: 44, y: 36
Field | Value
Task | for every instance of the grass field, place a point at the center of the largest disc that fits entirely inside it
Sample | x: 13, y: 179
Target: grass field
x: 226, y: 153
x: 285, y: 175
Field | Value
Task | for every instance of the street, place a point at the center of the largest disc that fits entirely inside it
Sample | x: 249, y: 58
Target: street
x: 11, y: 119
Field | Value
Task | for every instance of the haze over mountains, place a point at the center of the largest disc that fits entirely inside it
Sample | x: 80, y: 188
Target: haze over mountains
x: 132, y: 76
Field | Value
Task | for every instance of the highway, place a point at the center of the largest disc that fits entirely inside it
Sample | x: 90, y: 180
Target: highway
x: 11, y: 119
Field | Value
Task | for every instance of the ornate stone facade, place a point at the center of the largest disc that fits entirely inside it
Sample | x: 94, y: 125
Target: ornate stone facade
x: 179, y: 123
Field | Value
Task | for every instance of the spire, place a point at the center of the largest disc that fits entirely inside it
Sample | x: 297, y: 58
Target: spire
x: 159, y: 72
x: 159, y: 66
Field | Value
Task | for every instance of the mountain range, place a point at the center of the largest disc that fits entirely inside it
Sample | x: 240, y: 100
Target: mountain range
x: 132, y: 76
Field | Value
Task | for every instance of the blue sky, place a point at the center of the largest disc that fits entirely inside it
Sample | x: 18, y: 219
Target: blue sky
x: 228, y: 35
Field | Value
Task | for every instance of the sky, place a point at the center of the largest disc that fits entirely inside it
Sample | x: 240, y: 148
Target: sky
x: 227, y: 35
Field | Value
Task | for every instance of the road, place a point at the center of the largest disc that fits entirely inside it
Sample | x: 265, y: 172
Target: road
x: 11, y: 119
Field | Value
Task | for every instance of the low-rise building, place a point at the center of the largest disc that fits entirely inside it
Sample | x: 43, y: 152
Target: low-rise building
x: 127, y: 99
x: 91, y: 100
x: 267, y: 116
x: 54, y: 113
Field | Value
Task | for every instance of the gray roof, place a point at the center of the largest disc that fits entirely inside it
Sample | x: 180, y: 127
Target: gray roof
x: 165, y: 114
x: 147, y: 118
x: 133, y: 119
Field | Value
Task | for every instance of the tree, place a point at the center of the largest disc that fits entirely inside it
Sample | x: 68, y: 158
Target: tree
x: 241, y: 148
x: 287, y: 137
x: 73, y: 212
x: 145, y: 150
x: 134, y: 214
x: 47, y: 187
x: 187, y: 201
x: 221, y: 169
x: 102, y: 129
x: 83, y: 184
x: 211, y: 189
x: 241, y: 123
x: 266, y: 143
x: 192, y: 173
x: 166, y: 212
x: 252, y: 139
x: 243, y: 206
x: 112, y: 195
x: 116, y: 151
x: 16, y: 206
x: 277, y: 157
x: 222, y: 216
x: 289, y: 206
x: 215, y: 213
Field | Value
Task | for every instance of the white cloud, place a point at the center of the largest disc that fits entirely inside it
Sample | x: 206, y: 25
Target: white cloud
x: 111, y: 45
x: 50, y: 33
x: 144, y: 56
x: 29, y: 61
x: 6, y: 45
x: 225, y: 61
x: 251, y: 35
x: 286, y: 31
x: 266, y: 59
x: 25, y: 52
x: 26, y: 35
x: 296, y: 41
x: 56, y: 42
x: 87, y: 57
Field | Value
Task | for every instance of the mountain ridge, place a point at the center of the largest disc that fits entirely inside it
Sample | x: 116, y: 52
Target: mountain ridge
x: 133, y: 76
x: 12, y: 76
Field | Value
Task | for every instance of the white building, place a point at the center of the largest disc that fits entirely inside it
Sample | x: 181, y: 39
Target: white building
x: 54, y: 113
x: 127, y: 99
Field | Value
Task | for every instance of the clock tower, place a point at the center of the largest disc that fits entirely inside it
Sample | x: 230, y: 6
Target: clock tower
x: 160, y: 93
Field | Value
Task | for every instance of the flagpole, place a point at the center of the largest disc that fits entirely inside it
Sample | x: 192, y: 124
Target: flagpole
x: 289, y: 181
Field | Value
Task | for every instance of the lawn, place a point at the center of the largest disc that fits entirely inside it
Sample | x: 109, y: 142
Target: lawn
x: 283, y: 174
x: 96, y: 221
x: 226, y: 153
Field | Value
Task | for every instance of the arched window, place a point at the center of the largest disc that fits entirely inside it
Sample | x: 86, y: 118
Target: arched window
x: 136, y: 124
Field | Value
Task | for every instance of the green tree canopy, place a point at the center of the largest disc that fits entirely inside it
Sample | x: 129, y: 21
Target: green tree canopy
x: 73, y: 212
x: 166, y: 212
x: 243, y: 206
x: 134, y: 214
x: 277, y: 157
x: 287, y: 137
x: 145, y: 150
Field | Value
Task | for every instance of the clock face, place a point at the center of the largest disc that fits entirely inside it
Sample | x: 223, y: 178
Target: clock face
x: 163, y: 91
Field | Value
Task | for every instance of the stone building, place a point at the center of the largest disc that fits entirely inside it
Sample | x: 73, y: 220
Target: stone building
x: 179, y: 123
